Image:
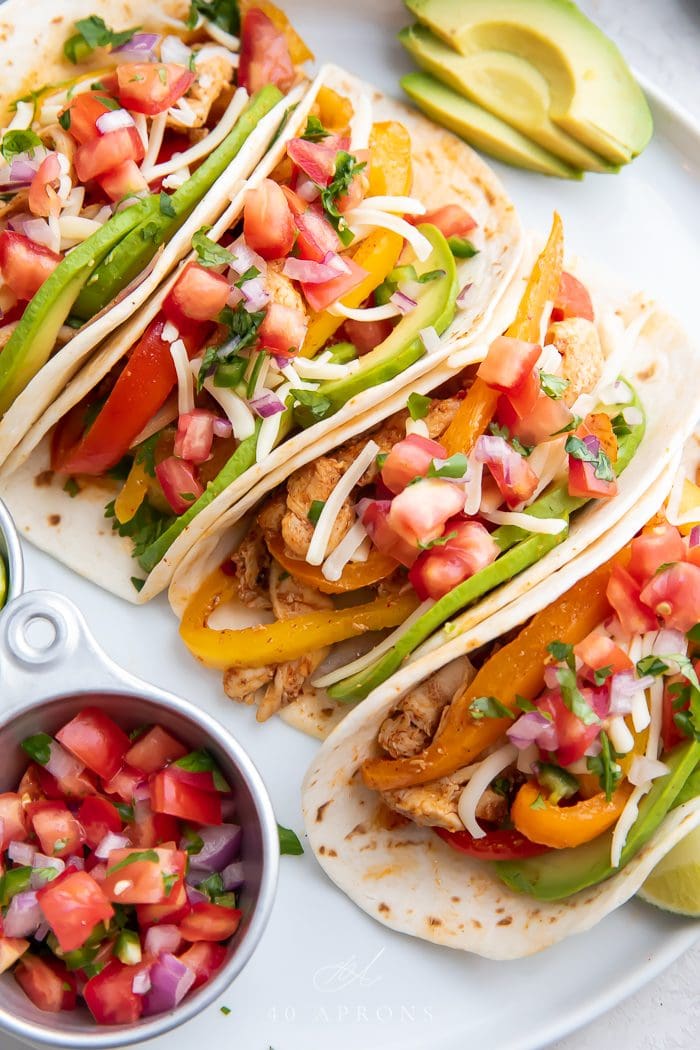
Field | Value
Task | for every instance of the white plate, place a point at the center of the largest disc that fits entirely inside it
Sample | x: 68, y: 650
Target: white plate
x: 326, y: 977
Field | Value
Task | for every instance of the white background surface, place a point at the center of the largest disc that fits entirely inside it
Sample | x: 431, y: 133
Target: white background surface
x: 663, y: 39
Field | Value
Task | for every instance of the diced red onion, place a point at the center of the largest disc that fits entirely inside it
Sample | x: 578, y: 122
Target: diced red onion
x: 223, y: 428
x: 141, y: 982
x: 336, y: 262
x: 228, y: 810
x: 255, y: 294
x: 307, y: 190
x: 643, y: 769
x: 195, y: 896
x: 221, y: 843
x: 430, y: 339
x: 16, y: 222
x: 41, y: 931
x: 39, y: 231
x: 76, y: 862
x: 22, y: 169
x: 244, y: 257
x: 235, y: 296
x: 141, y: 48
x: 21, y: 852
x: 463, y: 295
x: 61, y: 763
x: 669, y: 641
x: 266, y: 404
x: 40, y: 860
x: 23, y: 916
x: 624, y: 686
x: 114, y: 120
x: 550, y: 677
x: 694, y: 537
x: 232, y: 875
x: 592, y: 443
x: 99, y: 872
x: 533, y: 728
x: 594, y: 749
x: 171, y: 980
x: 142, y: 792
x: 172, y: 49
x: 163, y: 938
x: 527, y: 759
x: 109, y: 842
x: 492, y: 449
x: 403, y: 303
x: 307, y: 271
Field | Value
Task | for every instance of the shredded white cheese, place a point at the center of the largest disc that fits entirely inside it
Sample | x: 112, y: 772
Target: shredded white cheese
x: 155, y: 141
x: 74, y: 229
x: 335, y: 563
x: 472, y: 489
x: 488, y: 769
x: 397, y: 205
x: 185, y: 390
x: 417, y: 426
x: 242, y: 419
x: 142, y: 127
x: 545, y: 526
x: 324, y: 369
x: 367, y: 313
x: 620, y: 736
x: 270, y: 427
x: 221, y: 36
x: 200, y: 149
x: 24, y: 115
x: 363, y: 217
x: 361, y: 122
x: 324, y: 526
x: 182, y: 114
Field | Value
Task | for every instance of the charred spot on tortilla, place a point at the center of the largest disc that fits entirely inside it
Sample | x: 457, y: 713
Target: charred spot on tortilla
x: 505, y: 921
x: 455, y: 900
x: 321, y: 810
x: 54, y: 519
x: 359, y: 829
x: 647, y: 373
x: 432, y: 921
x: 383, y: 908
x: 43, y: 479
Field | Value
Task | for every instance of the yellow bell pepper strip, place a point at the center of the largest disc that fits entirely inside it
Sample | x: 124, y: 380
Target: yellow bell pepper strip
x: 298, y: 51
x: 276, y: 643
x: 516, y: 669
x: 132, y: 494
x: 354, y: 576
x: 334, y: 111
x: 561, y: 827
x: 378, y: 254
x: 476, y: 410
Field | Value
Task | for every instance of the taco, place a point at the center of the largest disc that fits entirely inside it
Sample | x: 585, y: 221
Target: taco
x: 119, y: 141
x: 518, y: 792
x: 377, y: 549
x: 260, y: 345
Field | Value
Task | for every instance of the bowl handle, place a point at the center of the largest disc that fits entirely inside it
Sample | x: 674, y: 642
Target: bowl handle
x: 66, y: 659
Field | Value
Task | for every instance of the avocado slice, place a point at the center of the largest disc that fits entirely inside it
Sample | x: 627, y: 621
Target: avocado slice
x: 521, y: 549
x: 436, y: 308
x: 482, y: 129
x: 511, y: 88
x: 128, y: 258
x: 33, y: 340
x: 594, y: 96
x: 563, y: 872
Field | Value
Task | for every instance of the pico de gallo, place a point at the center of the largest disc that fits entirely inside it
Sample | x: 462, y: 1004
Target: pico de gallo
x: 411, y: 523
x: 324, y: 287
x: 559, y: 752
x: 97, y: 172
x: 120, y: 869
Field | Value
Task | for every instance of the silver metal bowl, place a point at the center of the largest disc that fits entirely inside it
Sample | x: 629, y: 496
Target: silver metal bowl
x: 45, y: 681
x: 11, y: 553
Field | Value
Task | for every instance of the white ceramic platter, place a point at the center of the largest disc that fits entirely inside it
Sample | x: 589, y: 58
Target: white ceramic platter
x: 326, y: 977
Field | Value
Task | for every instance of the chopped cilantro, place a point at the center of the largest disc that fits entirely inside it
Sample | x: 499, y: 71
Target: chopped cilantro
x: 380, y: 459
x: 93, y: 33
x: 16, y: 142
x: 430, y: 275
x: 149, y: 855
x: 166, y: 205
x: 573, y: 425
x: 314, y: 130
x: 455, y: 467
x: 146, y: 526
x: 242, y: 331
x: 573, y: 698
x: 578, y: 448
x: 346, y: 168
x: 439, y: 542
x: 314, y: 512
x: 137, y: 583
x: 553, y: 386
x: 314, y: 406
x: 125, y: 811
x: 602, y: 673
x: 71, y: 488
x: 224, y: 13
x: 201, y: 761
x: 150, y: 232
x: 605, y: 766
x: 146, y: 454
x: 418, y: 406
x: 289, y: 842
x: 209, y: 253
x: 562, y: 653
x: 524, y: 704
x: 169, y: 881
x: 38, y: 747
x: 64, y: 119
x: 621, y: 427
x: 651, y: 665
x: 489, y: 707
x: 225, y: 1010
x: 193, y: 842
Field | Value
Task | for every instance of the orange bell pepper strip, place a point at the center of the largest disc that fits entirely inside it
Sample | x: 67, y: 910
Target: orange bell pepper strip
x: 516, y: 669
x: 562, y: 827
x: 298, y: 51
x: 276, y: 643
x: 354, y: 576
x: 378, y: 254
x: 477, y: 409
x: 334, y: 111
x: 133, y: 493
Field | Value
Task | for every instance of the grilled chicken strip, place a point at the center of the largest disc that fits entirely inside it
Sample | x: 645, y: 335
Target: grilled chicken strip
x: 578, y: 342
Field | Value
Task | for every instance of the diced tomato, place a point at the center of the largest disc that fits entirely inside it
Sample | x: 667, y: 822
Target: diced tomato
x: 410, y: 459
x: 509, y: 363
x: 623, y: 593
x: 58, y: 831
x: 200, y: 294
x: 43, y: 981
x: 30, y: 788
x: 110, y: 996
x: 660, y: 545
x: 172, y: 910
x: 170, y: 794
x: 24, y: 264
x: 107, y: 152
x: 506, y: 844
x: 268, y: 224
x: 573, y: 735
x: 152, y: 829
x: 583, y: 481
x: 365, y: 335
x: 525, y: 397
x: 180, y: 483
x: 123, y: 181
x: 142, y: 881
x: 375, y: 518
x: 264, y: 54
x: 124, y: 783
x: 74, y: 785
x: 540, y: 424
x: 11, y: 948
x: 674, y: 595
x: 321, y: 296
x: 85, y: 110
x: 98, y: 816
x: 598, y: 651
x: 572, y: 300
x: 283, y: 329
x: 94, y: 738
x: 152, y: 87
x: 315, y: 235
x: 73, y: 904
x: 418, y: 514
x: 13, y: 821
x: 317, y: 159
x: 210, y: 922
x: 440, y: 569
x: 204, y: 958
x: 42, y: 198
x: 517, y: 482
x: 452, y: 220
x: 155, y: 749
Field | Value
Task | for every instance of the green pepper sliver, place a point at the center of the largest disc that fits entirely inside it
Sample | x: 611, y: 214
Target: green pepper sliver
x: 15, y: 880
x: 127, y: 948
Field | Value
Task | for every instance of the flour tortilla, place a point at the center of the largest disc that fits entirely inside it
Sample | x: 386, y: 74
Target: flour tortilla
x: 34, y: 32
x: 445, y: 170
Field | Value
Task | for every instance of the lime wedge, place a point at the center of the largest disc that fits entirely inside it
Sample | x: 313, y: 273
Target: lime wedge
x: 674, y: 884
